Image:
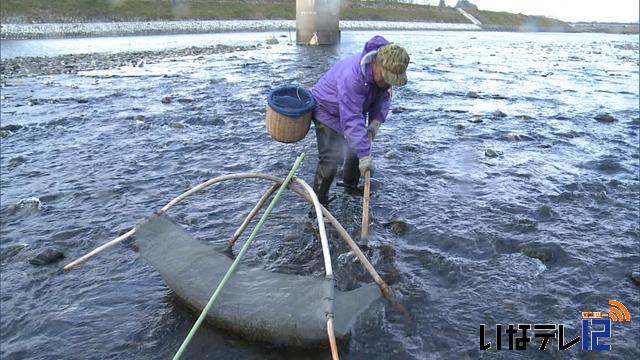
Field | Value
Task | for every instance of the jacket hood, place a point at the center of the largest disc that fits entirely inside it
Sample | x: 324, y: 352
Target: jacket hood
x: 374, y: 44
x: 369, y: 53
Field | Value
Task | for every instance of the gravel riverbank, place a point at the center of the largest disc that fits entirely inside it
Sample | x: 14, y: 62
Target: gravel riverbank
x: 58, y: 30
x: 73, y: 63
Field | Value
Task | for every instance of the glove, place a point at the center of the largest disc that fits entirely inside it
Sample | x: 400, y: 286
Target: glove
x: 366, y: 163
x: 373, y: 128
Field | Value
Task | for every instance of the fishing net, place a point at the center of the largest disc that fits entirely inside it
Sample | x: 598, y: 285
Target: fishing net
x: 282, y: 309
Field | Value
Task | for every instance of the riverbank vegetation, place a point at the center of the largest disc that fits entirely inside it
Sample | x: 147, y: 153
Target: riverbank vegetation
x: 46, y: 11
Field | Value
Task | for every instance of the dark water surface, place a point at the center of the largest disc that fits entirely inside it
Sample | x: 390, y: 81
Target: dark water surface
x: 520, y: 207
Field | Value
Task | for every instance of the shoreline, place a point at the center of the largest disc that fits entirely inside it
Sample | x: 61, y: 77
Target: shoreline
x: 104, y: 29
x: 30, y: 66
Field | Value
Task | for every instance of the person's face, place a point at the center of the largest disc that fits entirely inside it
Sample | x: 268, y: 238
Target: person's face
x: 377, y: 76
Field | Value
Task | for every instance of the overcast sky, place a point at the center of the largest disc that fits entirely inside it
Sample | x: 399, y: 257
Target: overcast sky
x: 567, y: 10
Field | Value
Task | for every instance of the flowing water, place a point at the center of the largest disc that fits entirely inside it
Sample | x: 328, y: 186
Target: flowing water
x: 498, y: 198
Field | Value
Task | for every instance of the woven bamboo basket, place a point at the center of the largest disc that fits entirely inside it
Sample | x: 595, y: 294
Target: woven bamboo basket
x: 287, y: 129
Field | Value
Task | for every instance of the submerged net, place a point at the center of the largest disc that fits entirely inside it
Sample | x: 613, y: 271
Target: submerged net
x: 282, y: 309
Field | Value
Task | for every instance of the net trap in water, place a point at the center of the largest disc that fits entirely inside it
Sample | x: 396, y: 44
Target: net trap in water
x: 301, y: 311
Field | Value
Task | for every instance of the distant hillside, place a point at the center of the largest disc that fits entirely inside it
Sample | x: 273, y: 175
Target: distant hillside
x: 43, y: 11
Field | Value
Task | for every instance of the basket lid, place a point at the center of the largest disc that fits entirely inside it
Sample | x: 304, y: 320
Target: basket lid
x: 291, y: 101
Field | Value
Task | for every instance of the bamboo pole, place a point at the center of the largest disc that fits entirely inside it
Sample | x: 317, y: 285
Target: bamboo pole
x: 99, y: 249
x: 386, y: 291
x: 251, y: 215
x: 235, y: 263
x: 321, y: 228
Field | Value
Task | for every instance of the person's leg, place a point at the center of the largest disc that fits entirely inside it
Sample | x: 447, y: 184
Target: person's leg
x: 330, y: 145
x: 351, y: 171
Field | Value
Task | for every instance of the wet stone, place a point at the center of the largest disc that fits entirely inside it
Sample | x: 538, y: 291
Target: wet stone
x: 408, y: 148
x: 176, y: 125
x: 543, y: 254
x: 475, y: 120
x: 524, y: 225
x: 391, y: 154
x: 46, y: 256
x: 459, y: 126
x: 635, y: 276
x: 12, y: 128
x: 398, y: 110
x: 139, y: 118
x: 185, y: 100
x: 605, y: 118
x: 498, y: 114
x: 272, y: 41
x: 438, y: 49
x: 166, y: 100
x: 490, y: 153
x: 397, y: 227
x: 472, y: 94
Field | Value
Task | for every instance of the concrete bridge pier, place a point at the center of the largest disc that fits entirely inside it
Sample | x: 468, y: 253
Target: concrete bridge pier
x: 317, y: 22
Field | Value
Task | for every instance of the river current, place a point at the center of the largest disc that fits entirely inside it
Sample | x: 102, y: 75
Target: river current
x: 498, y: 197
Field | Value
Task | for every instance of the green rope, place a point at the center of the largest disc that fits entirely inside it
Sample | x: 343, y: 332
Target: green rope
x: 233, y: 266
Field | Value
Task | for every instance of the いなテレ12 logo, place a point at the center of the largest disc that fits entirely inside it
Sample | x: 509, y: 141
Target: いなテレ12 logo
x: 595, y: 335
x: 593, y: 319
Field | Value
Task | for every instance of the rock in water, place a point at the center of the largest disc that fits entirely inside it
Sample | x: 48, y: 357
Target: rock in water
x: 272, y: 41
x: 472, y: 94
x: 492, y: 153
x: 46, y: 256
x: 498, y: 114
x: 635, y: 276
x: 397, y: 227
x: 605, y: 118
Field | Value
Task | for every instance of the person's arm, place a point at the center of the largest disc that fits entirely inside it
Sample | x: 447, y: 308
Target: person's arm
x: 380, y: 107
x: 351, y: 101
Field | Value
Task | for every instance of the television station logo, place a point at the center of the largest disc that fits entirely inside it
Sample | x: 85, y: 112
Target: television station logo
x: 595, y: 334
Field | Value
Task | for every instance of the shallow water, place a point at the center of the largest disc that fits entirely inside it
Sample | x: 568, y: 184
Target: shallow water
x: 542, y: 231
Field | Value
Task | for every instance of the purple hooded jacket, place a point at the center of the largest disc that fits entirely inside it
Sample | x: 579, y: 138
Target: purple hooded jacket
x: 347, y: 92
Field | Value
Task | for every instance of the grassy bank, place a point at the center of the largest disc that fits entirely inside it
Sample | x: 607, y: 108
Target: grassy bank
x: 43, y: 11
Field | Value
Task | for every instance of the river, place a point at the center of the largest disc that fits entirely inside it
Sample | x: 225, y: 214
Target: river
x: 520, y: 207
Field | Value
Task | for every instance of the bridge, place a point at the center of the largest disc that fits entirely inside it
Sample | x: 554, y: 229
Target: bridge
x: 317, y: 21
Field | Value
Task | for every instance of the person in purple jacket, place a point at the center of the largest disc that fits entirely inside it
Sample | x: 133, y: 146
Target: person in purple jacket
x: 353, y: 101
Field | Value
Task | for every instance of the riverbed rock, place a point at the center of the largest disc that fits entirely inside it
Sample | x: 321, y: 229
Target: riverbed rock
x: 498, y: 114
x: 166, y: 100
x: 472, y: 94
x: 397, y: 227
x: 398, y: 110
x: 408, y: 148
x: 392, y: 154
x: 438, y: 49
x: 635, y: 276
x: 607, y: 118
x: 45, y: 256
x: 272, y: 41
x: 11, y: 128
x: 490, y: 153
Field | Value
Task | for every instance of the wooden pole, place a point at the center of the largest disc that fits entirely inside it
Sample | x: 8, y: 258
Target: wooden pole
x: 252, y: 214
x: 364, y: 229
x: 332, y: 340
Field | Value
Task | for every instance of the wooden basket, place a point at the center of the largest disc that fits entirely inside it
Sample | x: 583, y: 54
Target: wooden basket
x: 287, y: 129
